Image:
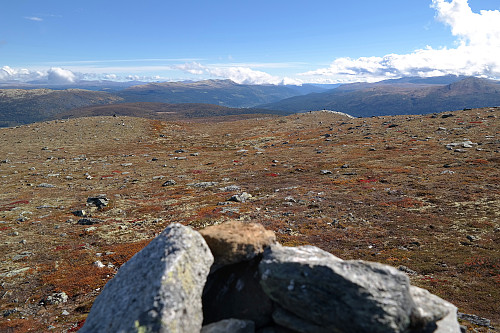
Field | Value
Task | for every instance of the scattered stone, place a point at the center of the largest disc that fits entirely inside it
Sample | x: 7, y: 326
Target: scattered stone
x: 126, y: 164
x: 243, y: 197
x: 8, y: 312
x: 57, y: 298
x: 230, y: 188
x: 89, y: 221
x: 326, y: 172
x: 230, y: 326
x: 158, y: 290
x: 463, y: 144
x: 46, y: 185
x: 99, y: 264
x: 79, y: 213
x: 15, y: 272
x: 65, y: 313
x: 447, y: 172
x: 22, y: 255
x: 472, y: 238
x: 476, y: 320
x: 204, y: 184
x: 407, y: 270
x: 169, y: 182
x: 99, y: 201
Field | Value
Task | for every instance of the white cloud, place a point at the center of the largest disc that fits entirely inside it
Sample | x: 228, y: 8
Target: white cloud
x: 477, y: 53
x: 11, y: 74
x: 33, y: 18
x: 60, y: 76
x: 238, y: 74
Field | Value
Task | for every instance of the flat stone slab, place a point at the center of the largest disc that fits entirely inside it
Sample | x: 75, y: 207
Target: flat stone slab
x: 234, y: 241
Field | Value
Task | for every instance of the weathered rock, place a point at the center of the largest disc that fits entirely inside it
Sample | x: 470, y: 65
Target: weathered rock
x: 204, y: 184
x: 230, y: 326
x: 342, y: 296
x: 46, y: 185
x: 291, y: 321
x: 234, y: 291
x: 80, y: 213
x: 169, y: 182
x: 89, y: 221
x: 234, y: 241
x: 158, y: 290
x: 242, y: 197
x: 476, y: 320
x: 57, y: 298
x: 432, y: 314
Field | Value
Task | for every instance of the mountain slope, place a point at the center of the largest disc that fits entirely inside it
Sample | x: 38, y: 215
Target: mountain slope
x: 18, y: 106
x: 392, y: 98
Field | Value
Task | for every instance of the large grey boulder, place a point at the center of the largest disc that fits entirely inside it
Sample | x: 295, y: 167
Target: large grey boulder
x: 337, y: 295
x: 158, y: 290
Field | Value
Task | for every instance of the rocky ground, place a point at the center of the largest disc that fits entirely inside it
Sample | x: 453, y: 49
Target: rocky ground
x: 421, y: 193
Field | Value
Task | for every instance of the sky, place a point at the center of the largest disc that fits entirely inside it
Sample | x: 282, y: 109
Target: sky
x: 250, y: 42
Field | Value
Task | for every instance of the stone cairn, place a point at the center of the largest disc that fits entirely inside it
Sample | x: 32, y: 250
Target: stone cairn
x: 235, y: 278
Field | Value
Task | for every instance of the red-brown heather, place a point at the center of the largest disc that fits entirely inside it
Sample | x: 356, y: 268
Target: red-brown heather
x: 416, y: 191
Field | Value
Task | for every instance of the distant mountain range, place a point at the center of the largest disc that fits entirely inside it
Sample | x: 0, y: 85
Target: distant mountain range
x: 390, y: 97
x: 218, y: 92
x: 404, y: 96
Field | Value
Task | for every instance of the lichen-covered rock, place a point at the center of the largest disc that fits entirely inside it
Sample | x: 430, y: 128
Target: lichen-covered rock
x: 341, y: 296
x: 233, y: 241
x: 158, y: 290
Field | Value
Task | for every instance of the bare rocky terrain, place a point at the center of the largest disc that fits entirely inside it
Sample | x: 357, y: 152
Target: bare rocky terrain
x: 421, y: 193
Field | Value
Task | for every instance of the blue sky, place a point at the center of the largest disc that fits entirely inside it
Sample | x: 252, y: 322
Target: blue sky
x: 272, y: 41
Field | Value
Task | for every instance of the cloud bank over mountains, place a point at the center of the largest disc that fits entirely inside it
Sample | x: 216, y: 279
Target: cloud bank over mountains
x: 477, y: 53
x: 238, y: 74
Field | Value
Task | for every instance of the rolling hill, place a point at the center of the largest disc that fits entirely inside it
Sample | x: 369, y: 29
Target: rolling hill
x: 19, y: 106
x: 164, y: 111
